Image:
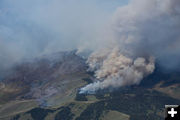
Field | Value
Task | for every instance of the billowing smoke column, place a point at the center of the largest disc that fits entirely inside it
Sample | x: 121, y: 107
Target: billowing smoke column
x: 143, y: 30
x: 115, y: 69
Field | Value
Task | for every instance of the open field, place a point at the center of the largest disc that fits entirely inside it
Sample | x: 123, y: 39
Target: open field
x: 16, y: 107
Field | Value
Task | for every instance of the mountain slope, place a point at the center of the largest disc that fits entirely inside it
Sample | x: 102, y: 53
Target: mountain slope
x: 47, y: 89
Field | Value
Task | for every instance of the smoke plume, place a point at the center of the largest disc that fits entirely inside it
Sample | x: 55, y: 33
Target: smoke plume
x: 143, y: 31
x: 115, y: 70
x: 126, y: 41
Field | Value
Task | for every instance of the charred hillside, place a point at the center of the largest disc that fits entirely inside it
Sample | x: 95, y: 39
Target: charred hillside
x: 40, y: 77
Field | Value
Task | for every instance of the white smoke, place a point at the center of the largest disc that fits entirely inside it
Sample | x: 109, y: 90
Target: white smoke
x: 115, y: 69
x: 143, y: 30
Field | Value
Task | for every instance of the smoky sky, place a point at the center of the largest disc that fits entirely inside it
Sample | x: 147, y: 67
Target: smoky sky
x: 141, y: 27
x: 31, y: 28
x: 143, y: 33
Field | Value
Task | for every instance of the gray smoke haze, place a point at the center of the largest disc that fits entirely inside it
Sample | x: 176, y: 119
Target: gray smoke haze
x: 126, y: 37
x: 141, y: 32
x: 29, y: 28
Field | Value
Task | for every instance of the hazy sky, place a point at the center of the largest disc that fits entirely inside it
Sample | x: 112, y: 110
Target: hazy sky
x: 32, y: 27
